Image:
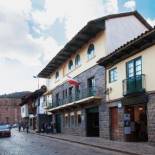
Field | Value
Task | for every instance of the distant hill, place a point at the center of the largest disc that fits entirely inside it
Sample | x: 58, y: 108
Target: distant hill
x: 15, y: 95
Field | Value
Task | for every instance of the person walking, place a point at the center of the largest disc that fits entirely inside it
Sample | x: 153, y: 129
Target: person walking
x: 27, y: 127
x: 19, y: 126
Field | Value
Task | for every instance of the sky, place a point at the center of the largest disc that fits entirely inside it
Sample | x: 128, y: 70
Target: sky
x: 33, y: 31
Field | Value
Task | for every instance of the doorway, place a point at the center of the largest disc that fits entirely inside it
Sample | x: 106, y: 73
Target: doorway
x: 114, y: 123
x: 92, y: 123
x: 58, y: 122
x: 135, y: 128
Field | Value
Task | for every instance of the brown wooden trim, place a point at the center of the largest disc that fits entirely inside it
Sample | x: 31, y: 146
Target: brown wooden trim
x: 139, y: 98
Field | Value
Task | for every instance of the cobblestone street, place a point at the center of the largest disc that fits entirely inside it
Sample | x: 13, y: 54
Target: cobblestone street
x: 30, y: 144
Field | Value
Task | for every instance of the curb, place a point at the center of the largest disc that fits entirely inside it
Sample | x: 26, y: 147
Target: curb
x: 86, y: 144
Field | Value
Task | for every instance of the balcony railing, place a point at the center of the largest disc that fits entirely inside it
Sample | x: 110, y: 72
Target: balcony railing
x: 79, y: 95
x: 135, y: 84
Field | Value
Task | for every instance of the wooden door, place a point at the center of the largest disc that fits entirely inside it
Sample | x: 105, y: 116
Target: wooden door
x: 114, y: 122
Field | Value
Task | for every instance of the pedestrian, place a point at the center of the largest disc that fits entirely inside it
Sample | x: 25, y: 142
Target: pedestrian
x: 27, y: 127
x: 19, y: 126
x: 52, y: 127
x: 23, y: 125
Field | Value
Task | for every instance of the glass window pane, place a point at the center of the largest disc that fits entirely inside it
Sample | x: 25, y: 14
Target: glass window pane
x: 139, y: 73
x: 131, y: 75
x: 130, y: 65
x: 131, y: 70
x: 138, y: 68
x: 134, y: 67
x: 113, y: 75
x: 138, y: 62
x: 90, y: 52
x: 70, y: 65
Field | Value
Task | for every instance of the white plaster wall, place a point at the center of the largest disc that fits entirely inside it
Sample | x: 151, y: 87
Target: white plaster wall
x: 24, y: 111
x: 120, y: 30
x: 148, y: 64
x: 41, y: 109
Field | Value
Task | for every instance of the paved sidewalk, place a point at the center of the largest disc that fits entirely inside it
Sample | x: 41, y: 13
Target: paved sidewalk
x: 139, y: 148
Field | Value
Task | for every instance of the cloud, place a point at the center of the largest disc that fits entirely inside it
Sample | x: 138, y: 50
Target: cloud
x: 130, y: 4
x: 23, y: 54
x: 17, y: 40
x: 76, y: 13
x: 151, y: 21
x: 17, y: 77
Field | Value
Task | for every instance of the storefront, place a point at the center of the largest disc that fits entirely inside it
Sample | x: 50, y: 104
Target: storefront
x: 128, y: 122
x: 135, y: 122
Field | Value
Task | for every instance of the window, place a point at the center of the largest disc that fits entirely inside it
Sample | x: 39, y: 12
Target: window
x: 63, y: 97
x: 57, y: 75
x: 66, y: 121
x: 72, y: 120
x: 70, y: 94
x: 63, y: 94
x: 91, y: 87
x: 23, y: 109
x: 77, y: 61
x: 134, y: 67
x: 48, y: 100
x: 77, y: 92
x: 113, y: 75
x: 91, y: 82
x: 70, y: 65
x: 57, y: 99
x: 90, y: 52
x: 79, y: 119
x: 66, y: 93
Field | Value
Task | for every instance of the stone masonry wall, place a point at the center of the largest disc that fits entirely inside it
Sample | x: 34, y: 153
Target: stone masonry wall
x: 120, y: 134
x: 151, y: 118
x: 98, y: 73
x: 10, y: 110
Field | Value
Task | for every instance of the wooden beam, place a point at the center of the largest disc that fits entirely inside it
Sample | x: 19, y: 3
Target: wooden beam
x: 71, y: 48
x: 83, y: 37
x: 77, y: 43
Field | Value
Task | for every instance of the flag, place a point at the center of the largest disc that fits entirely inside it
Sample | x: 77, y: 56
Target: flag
x: 71, y: 81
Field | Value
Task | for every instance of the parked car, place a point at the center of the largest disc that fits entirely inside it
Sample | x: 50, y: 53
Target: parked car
x: 5, y: 131
x: 14, y: 126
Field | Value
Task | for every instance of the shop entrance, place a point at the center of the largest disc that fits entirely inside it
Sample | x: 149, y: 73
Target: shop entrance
x: 135, y: 123
x: 92, y: 123
x: 58, y: 123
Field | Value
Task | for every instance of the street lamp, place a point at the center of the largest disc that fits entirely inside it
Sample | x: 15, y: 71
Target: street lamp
x: 36, y: 77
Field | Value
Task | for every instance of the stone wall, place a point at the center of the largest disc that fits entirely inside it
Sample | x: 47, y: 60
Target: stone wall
x: 98, y: 73
x: 78, y: 130
x: 120, y: 134
x: 10, y: 110
x: 151, y: 118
